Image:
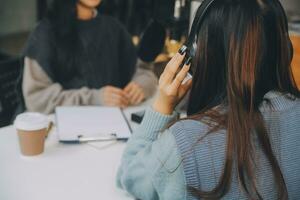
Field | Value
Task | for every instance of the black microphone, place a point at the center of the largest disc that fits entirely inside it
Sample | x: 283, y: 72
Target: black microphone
x: 152, y: 41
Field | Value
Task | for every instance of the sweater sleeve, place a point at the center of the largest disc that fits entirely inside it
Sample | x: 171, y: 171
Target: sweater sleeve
x: 43, y: 95
x: 151, y: 165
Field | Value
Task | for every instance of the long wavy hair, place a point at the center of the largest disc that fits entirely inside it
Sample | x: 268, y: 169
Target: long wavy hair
x: 62, y: 15
x: 243, y: 52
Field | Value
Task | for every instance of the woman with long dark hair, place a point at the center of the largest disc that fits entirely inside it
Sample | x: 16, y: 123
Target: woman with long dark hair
x: 77, y: 56
x: 242, y: 134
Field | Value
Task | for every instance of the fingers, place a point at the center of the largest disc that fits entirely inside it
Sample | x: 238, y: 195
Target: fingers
x: 119, y: 100
x: 113, y: 96
x: 137, y: 98
x: 134, y: 93
x: 172, y: 68
x: 177, y: 82
x: 116, y: 101
x: 171, y: 86
x: 185, y: 88
x: 133, y: 90
x: 129, y: 87
x: 131, y: 94
x: 116, y: 90
x: 175, y: 62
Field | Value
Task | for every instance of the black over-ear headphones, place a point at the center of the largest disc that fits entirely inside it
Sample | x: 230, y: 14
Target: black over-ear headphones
x: 199, y: 17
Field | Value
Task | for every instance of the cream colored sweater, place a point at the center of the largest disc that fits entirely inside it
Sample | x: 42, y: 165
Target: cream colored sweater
x: 41, y: 94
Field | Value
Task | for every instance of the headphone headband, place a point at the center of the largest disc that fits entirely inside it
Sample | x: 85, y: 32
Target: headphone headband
x: 188, y: 47
x: 199, y: 17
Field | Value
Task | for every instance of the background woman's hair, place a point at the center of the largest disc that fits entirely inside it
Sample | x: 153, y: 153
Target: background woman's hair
x: 244, y: 51
x: 62, y: 15
x: 63, y: 19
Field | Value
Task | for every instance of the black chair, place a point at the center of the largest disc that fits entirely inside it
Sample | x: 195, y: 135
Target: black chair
x: 10, y: 89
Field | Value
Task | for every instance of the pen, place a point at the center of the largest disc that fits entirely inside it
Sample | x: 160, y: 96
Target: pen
x: 109, y: 137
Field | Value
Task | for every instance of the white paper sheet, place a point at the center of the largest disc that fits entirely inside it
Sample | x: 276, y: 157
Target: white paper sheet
x: 91, y: 121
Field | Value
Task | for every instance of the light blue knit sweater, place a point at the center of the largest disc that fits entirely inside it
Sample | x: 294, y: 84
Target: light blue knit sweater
x: 152, y: 166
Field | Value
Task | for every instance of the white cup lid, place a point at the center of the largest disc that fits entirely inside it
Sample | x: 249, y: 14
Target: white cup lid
x: 31, y: 121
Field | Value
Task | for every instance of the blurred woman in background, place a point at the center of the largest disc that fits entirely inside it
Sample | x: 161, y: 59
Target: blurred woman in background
x: 292, y: 8
x: 241, y: 138
x: 76, y: 56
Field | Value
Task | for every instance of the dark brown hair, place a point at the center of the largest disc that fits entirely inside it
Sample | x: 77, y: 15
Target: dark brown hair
x: 243, y: 52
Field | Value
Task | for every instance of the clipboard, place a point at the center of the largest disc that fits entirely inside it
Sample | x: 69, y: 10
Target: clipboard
x: 78, y: 124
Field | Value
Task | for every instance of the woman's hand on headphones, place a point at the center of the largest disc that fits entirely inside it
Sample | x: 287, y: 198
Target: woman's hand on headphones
x: 171, y: 86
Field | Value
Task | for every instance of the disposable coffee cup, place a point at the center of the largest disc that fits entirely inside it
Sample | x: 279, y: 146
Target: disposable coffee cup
x: 32, y: 129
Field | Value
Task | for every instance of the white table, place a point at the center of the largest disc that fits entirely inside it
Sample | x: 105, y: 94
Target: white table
x: 68, y: 172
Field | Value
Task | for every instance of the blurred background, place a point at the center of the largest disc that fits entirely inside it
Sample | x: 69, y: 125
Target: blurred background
x: 18, y: 18
x: 164, y: 24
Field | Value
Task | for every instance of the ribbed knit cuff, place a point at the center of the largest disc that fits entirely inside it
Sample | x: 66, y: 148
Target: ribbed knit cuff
x: 155, y: 122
